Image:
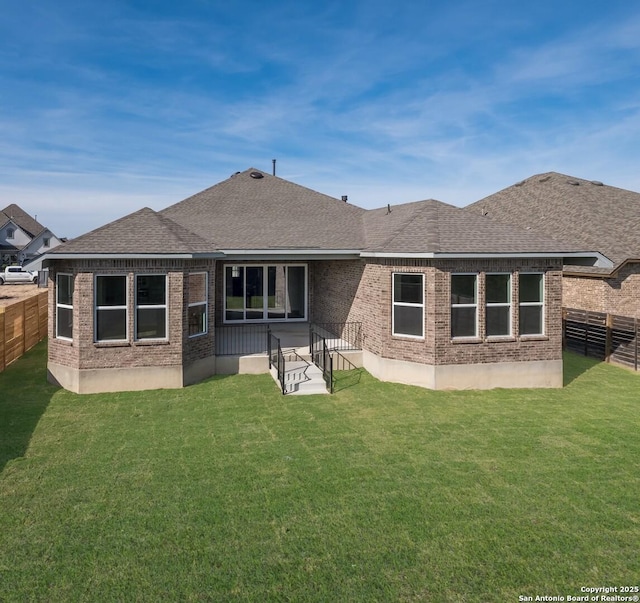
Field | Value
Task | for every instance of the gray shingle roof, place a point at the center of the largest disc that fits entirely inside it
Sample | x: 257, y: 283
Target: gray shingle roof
x: 586, y: 214
x: 253, y: 210
x: 142, y: 232
x: 436, y: 227
x: 20, y: 217
x: 245, y: 212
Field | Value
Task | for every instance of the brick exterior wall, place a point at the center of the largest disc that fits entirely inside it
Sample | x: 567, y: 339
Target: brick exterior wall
x: 84, y: 353
x: 362, y: 291
x: 618, y: 295
x: 584, y: 293
x: 339, y: 291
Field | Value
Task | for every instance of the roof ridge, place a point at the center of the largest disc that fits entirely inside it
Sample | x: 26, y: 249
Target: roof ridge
x: 179, y: 230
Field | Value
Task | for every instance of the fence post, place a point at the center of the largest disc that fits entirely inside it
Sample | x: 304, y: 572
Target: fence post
x: 607, y: 340
x: 586, y: 333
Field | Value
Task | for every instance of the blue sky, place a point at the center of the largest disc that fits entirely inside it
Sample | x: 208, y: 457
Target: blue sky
x: 106, y: 107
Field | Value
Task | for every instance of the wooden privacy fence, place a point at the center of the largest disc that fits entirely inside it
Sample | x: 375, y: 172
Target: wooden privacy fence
x: 603, y: 336
x: 22, y: 325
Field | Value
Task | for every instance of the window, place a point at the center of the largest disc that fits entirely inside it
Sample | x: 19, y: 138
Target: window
x: 531, y: 287
x: 46, y: 242
x: 464, y: 305
x: 151, y: 306
x: 255, y: 292
x: 197, y: 310
x: 10, y: 233
x: 64, y: 306
x: 498, y: 304
x: 111, y: 308
x: 408, y: 305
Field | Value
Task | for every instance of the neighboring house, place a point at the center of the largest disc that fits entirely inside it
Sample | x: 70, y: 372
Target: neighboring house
x: 445, y: 298
x: 587, y: 215
x: 22, y: 238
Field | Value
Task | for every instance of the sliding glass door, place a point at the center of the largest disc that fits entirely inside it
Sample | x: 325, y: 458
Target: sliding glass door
x: 265, y: 292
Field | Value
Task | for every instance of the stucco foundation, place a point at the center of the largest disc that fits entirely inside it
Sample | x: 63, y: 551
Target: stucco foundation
x: 245, y: 365
x: 533, y: 374
x: 93, y: 381
x: 199, y: 370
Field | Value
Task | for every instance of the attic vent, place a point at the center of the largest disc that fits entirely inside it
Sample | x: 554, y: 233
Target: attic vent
x: 573, y: 182
x: 597, y: 183
x: 256, y: 175
x: 544, y: 179
x: 520, y: 183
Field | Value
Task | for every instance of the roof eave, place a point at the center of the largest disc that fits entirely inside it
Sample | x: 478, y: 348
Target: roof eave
x: 131, y: 256
x: 289, y: 254
x: 613, y: 272
x: 462, y: 256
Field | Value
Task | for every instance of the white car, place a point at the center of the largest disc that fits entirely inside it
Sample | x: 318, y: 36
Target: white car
x: 17, y: 274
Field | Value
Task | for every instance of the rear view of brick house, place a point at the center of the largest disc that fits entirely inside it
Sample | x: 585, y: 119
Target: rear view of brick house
x: 443, y: 298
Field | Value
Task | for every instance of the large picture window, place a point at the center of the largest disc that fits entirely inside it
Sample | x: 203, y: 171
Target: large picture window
x: 262, y: 292
x: 151, y: 306
x: 198, y: 299
x: 64, y: 306
x: 498, y: 305
x: 464, y: 305
x: 111, y: 308
x: 531, y: 288
x: 408, y: 305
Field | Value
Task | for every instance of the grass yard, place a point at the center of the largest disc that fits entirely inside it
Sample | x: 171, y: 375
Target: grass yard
x: 228, y: 491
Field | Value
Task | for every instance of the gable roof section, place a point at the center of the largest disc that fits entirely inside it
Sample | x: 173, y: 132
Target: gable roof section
x: 269, y: 213
x: 586, y: 214
x: 143, y: 232
x: 22, y: 219
x: 434, y: 227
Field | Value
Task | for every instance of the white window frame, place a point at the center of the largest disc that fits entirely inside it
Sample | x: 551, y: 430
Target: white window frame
x: 476, y: 305
x: 499, y: 305
x: 97, y: 308
x: 395, y: 303
x: 541, y: 304
x: 65, y: 306
x: 164, y: 306
x: 205, y: 303
x: 265, y: 297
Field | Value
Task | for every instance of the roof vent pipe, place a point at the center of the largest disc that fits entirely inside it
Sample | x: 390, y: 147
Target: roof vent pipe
x: 274, y: 166
x: 344, y: 198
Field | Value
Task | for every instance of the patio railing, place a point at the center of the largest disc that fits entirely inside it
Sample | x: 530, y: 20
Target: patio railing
x: 339, y: 335
x: 238, y: 340
x: 276, y: 358
x: 322, y: 358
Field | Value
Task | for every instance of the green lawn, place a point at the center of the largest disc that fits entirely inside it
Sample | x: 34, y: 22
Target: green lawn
x: 228, y: 491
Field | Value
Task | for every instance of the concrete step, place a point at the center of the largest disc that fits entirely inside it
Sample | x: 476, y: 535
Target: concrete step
x: 301, y: 378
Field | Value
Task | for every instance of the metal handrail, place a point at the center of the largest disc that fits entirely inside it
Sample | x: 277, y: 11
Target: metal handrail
x: 345, y: 335
x: 237, y: 340
x: 321, y: 357
x: 279, y: 358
